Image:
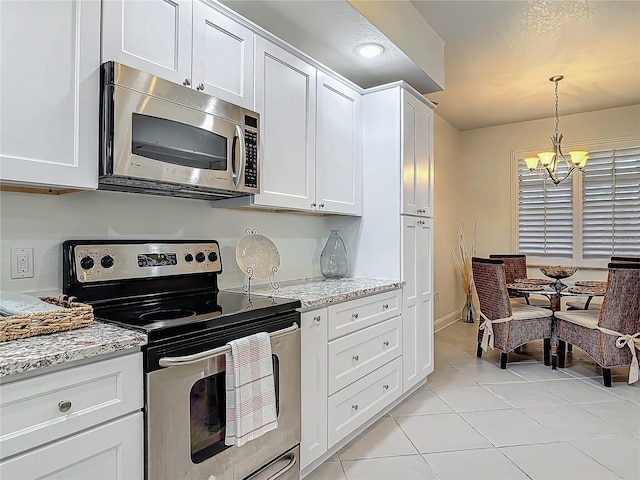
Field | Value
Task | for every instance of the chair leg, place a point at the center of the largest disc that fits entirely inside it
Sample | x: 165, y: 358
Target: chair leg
x: 606, y: 376
x: 517, y: 350
x: 562, y: 348
x: 503, y: 360
x: 479, y: 351
x: 569, y: 347
x: 547, y: 351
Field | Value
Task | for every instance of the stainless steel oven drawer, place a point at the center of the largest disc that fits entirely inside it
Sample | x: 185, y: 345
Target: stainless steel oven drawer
x: 286, y: 467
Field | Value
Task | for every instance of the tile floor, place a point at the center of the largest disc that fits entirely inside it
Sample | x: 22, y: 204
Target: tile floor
x: 474, y: 421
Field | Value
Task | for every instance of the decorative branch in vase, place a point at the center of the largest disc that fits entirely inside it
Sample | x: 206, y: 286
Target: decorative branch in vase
x: 463, y: 263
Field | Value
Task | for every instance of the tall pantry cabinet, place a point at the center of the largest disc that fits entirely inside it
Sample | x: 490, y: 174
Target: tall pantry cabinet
x: 394, y: 238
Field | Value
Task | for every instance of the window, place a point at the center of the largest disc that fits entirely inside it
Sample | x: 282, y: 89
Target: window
x: 586, y: 218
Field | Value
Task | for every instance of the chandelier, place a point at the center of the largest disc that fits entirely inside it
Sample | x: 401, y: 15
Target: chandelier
x: 549, y: 161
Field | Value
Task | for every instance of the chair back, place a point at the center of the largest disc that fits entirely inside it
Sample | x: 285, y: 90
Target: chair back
x: 619, y: 259
x: 491, y: 287
x: 620, y: 310
x: 515, y: 265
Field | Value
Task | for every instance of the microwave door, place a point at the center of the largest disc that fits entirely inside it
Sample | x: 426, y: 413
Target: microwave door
x: 155, y: 139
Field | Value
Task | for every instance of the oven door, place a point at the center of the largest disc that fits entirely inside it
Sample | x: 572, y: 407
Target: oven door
x: 185, y: 418
x: 158, y: 140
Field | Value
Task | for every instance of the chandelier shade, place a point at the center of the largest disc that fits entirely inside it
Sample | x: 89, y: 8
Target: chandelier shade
x: 546, y: 163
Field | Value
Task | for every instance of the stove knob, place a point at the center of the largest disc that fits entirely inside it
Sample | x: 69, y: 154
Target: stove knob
x: 106, y: 261
x: 188, y: 258
x: 200, y: 257
x: 213, y: 256
x: 87, y: 263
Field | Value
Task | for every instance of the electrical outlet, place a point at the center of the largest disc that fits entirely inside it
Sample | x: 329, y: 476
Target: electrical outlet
x: 22, y: 262
x: 437, y: 296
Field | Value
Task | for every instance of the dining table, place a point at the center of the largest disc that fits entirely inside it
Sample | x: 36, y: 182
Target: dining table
x: 555, y: 290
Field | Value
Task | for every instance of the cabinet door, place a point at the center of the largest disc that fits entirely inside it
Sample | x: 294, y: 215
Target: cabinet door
x: 151, y: 35
x: 313, y: 385
x: 425, y: 167
x: 417, y: 327
x: 417, y: 157
x: 112, y: 451
x: 286, y: 101
x: 222, y: 62
x: 50, y: 91
x: 338, y: 148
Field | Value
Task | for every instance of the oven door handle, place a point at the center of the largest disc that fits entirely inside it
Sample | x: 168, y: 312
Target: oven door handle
x: 237, y: 139
x: 198, y: 357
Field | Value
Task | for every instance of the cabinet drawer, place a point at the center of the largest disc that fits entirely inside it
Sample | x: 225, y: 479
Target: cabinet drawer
x: 354, y: 405
x: 350, y: 316
x: 113, y: 451
x: 34, y: 411
x: 354, y: 356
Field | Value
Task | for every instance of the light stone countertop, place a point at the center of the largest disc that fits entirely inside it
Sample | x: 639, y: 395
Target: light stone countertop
x: 320, y: 292
x: 31, y: 353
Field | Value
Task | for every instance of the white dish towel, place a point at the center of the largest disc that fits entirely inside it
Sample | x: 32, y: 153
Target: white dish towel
x: 251, y: 397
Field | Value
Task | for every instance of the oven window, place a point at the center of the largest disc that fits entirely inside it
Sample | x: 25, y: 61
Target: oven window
x: 208, y: 413
x: 177, y: 143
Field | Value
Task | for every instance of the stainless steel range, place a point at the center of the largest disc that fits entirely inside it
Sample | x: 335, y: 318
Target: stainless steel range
x: 169, y: 290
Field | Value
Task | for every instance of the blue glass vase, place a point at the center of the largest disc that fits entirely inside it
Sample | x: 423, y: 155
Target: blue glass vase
x: 334, y: 262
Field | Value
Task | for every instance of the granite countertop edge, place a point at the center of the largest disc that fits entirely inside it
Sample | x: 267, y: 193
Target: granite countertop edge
x: 33, y: 353
x: 319, y: 292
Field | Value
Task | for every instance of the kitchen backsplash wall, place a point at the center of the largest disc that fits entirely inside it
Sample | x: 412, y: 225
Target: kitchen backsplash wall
x: 45, y: 221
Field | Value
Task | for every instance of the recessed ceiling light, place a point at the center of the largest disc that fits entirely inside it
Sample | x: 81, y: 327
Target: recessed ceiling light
x: 370, y: 50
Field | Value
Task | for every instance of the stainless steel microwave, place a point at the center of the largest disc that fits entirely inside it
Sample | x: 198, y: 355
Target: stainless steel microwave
x: 161, y: 138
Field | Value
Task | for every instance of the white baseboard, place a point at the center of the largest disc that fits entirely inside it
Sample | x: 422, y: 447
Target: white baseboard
x: 445, y: 321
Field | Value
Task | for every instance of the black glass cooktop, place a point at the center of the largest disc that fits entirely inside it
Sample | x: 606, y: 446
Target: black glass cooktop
x: 167, y: 316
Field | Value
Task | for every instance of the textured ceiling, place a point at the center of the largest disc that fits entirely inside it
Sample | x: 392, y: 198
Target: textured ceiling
x: 499, y: 56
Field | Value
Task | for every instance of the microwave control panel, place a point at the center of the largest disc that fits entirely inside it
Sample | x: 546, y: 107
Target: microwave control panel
x: 251, y: 166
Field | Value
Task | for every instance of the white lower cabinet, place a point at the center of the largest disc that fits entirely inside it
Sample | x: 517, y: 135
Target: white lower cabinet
x: 351, y: 368
x: 113, y: 451
x: 313, y: 338
x: 79, y: 422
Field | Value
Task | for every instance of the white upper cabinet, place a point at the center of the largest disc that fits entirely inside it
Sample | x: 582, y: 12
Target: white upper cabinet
x: 311, y: 136
x: 286, y: 101
x: 183, y: 41
x: 151, y: 35
x: 50, y: 81
x: 222, y: 56
x: 338, y: 148
x: 417, y: 157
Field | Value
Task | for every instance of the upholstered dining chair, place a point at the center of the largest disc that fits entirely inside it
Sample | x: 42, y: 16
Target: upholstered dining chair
x: 504, y: 325
x: 585, y: 304
x: 515, y: 266
x: 611, y: 335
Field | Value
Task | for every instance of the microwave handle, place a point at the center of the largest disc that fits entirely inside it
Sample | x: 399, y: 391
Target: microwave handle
x: 237, y: 137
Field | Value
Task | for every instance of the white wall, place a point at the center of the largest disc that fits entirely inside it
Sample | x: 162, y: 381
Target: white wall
x: 45, y: 221
x: 485, y: 169
x: 449, y: 211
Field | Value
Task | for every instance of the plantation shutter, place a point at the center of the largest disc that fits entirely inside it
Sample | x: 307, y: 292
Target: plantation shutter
x: 611, y: 203
x: 545, y: 214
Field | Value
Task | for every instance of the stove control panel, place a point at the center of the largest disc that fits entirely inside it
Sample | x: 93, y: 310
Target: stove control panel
x: 120, y: 261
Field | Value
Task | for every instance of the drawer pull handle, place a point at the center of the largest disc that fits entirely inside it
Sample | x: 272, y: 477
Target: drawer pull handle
x: 385, y: 306
x: 386, y: 387
x: 355, y: 407
x: 355, y: 315
x: 356, y: 357
x: 317, y: 319
x: 386, y: 343
x: 64, y: 406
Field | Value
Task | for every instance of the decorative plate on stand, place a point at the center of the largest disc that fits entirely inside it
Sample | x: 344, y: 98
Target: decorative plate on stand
x: 258, y: 257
